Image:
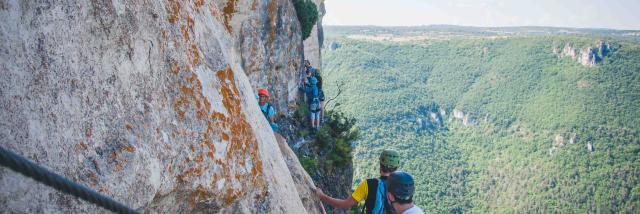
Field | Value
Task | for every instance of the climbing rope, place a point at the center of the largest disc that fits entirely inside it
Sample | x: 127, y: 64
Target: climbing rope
x: 30, y: 169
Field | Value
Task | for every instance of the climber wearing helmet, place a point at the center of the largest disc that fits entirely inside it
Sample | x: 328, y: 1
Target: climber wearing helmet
x: 307, y: 66
x: 313, y: 72
x: 266, y: 108
x: 371, y: 190
x: 400, y: 189
x: 313, y: 99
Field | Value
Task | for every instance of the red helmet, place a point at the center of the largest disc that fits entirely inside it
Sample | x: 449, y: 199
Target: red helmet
x: 263, y: 92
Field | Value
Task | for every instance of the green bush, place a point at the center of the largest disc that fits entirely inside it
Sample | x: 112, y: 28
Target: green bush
x: 302, y: 111
x: 336, y: 136
x: 307, y: 13
x: 309, y: 164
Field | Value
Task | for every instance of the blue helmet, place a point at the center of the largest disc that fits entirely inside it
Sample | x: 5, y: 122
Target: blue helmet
x: 313, y: 80
x: 400, y: 184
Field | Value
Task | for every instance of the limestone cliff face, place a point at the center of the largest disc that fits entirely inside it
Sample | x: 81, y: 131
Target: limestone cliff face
x: 271, y: 50
x: 313, y: 44
x: 149, y: 102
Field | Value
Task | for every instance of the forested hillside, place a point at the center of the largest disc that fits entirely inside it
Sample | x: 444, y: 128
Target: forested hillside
x: 529, y: 123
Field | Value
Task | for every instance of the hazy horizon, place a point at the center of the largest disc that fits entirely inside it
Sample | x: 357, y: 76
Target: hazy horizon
x: 593, y: 14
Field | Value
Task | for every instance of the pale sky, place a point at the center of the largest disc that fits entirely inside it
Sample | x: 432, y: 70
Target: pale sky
x: 615, y: 14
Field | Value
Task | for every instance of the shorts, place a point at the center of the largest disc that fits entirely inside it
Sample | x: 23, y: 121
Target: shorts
x: 315, y: 115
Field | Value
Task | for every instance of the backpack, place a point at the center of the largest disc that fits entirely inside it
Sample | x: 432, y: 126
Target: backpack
x: 314, y: 105
x: 321, y: 94
x: 376, y: 203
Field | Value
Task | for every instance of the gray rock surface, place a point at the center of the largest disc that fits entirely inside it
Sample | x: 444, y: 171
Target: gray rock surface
x: 313, y: 44
x: 149, y: 102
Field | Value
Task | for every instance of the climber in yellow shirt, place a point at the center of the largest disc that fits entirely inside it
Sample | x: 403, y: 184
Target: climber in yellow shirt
x: 368, y: 189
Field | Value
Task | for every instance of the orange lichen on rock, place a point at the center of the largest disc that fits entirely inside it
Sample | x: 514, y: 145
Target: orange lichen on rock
x: 190, y: 23
x: 185, y: 33
x: 80, y: 147
x: 198, y: 3
x: 232, y: 128
x: 231, y: 196
x: 194, y: 54
x: 181, y: 101
x: 235, y: 129
x: 254, y: 5
x: 174, y: 11
x: 198, y: 159
x: 192, y: 92
x: 163, y: 33
x: 200, y: 194
x: 129, y: 148
x: 228, y: 12
x: 128, y: 126
x: 175, y: 68
x: 273, y: 6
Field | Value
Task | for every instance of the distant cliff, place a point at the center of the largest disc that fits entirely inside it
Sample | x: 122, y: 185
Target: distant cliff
x: 587, y: 56
x: 151, y: 103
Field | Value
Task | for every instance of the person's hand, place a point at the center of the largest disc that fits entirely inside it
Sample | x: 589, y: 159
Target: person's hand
x: 319, y: 192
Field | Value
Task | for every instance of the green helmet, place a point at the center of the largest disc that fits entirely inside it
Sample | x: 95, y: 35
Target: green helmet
x: 390, y: 158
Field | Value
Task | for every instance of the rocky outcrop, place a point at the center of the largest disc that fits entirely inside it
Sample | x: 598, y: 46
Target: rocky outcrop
x: 443, y: 111
x: 558, y: 141
x: 458, y: 114
x: 587, y: 56
x: 313, y: 44
x: 466, y: 119
x: 574, y: 137
x: 469, y: 121
x: 149, y: 102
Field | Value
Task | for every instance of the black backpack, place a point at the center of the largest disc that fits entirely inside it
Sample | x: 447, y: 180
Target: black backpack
x: 370, y: 201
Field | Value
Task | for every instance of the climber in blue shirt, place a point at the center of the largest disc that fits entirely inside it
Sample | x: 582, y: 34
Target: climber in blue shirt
x: 313, y: 99
x: 266, y: 108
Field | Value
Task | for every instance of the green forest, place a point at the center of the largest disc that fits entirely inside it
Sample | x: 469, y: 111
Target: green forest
x: 496, y: 124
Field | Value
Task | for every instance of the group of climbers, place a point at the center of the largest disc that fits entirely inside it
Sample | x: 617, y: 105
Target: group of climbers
x: 312, y: 87
x: 392, y: 192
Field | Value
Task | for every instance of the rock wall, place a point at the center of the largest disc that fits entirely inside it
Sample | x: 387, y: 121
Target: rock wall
x: 271, y: 51
x: 149, y: 102
x: 313, y: 44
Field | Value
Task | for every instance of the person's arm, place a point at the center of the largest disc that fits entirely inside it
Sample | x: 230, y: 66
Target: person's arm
x: 343, y: 204
x: 303, y: 88
x: 272, y: 114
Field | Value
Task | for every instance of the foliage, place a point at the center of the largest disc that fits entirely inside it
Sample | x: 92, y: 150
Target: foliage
x: 336, y: 135
x: 302, y: 111
x: 332, y: 143
x: 522, y: 95
x: 307, y: 13
x: 308, y: 163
